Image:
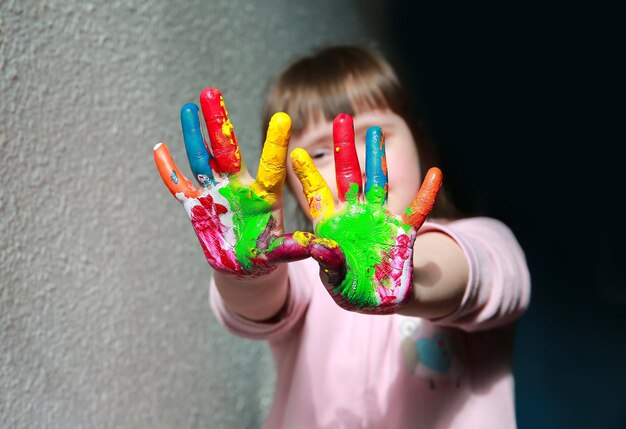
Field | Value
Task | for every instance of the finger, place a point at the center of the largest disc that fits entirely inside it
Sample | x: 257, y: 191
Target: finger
x: 375, y: 166
x: 221, y: 132
x: 347, y: 168
x: 423, y: 203
x: 290, y: 247
x: 171, y: 175
x: 197, y: 153
x: 273, y: 164
x: 316, y: 190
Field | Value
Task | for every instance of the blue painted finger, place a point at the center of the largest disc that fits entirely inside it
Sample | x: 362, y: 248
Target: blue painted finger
x: 197, y: 153
x: 375, y: 166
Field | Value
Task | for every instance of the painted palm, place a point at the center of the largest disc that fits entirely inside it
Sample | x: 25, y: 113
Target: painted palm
x: 376, y: 275
x: 237, y: 219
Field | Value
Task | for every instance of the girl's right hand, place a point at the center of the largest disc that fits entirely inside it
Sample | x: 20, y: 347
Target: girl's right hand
x: 237, y: 219
x: 365, y: 252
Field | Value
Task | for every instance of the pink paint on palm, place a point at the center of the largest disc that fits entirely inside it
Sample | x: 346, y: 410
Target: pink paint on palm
x: 397, y: 266
x: 205, y: 220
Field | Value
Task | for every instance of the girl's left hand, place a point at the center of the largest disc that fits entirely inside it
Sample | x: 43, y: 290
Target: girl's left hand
x: 364, y: 251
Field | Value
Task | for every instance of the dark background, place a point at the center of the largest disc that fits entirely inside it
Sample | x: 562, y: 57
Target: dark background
x: 519, y: 102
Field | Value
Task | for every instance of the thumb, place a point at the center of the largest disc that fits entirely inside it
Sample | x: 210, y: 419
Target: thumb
x: 331, y: 259
x: 289, y: 247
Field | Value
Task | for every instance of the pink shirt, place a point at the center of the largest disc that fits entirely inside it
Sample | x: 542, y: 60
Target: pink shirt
x: 339, y: 369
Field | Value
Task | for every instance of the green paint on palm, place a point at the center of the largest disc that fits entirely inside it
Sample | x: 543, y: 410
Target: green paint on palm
x: 376, y: 195
x: 365, y: 232
x: 251, y: 214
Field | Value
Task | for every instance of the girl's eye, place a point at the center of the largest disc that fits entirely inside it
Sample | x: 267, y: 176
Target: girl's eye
x: 318, y: 154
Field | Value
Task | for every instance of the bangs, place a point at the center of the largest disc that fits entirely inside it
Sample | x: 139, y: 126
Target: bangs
x: 325, y: 86
x: 308, y: 104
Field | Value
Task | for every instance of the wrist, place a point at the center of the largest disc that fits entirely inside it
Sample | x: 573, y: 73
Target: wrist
x: 256, y: 297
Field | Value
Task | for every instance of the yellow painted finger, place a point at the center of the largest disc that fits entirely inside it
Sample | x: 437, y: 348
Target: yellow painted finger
x: 272, y: 167
x: 171, y: 175
x: 315, y: 188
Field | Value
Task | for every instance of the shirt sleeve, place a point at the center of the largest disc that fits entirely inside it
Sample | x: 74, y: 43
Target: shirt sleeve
x: 498, y: 288
x: 295, y: 308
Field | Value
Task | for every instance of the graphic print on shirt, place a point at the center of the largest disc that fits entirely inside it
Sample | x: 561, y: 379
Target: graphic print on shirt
x: 429, y: 352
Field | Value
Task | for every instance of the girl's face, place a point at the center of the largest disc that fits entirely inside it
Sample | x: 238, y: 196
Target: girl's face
x: 404, y: 175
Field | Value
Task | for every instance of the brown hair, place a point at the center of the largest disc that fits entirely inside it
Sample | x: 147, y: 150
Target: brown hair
x: 348, y: 79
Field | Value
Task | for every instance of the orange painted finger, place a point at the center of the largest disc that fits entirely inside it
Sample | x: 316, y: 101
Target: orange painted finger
x: 273, y: 165
x: 423, y: 203
x: 315, y: 188
x: 221, y: 132
x: 171, y: 175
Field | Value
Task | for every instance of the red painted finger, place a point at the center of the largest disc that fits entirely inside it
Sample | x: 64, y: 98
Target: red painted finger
x: 423, y: 203
x: 171, y: 175
x: 221, y: 132
x: 347, y: 169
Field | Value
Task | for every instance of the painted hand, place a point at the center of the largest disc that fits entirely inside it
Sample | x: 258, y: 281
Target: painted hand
x: 237, y: 219
x: 376, y: 271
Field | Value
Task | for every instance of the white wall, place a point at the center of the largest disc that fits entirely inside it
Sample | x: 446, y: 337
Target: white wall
x: 104, y: 316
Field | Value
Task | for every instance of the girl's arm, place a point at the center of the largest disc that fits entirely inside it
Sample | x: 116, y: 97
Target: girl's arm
x: 259, y: 299
x: 497, y: 287
x: 440, y: 276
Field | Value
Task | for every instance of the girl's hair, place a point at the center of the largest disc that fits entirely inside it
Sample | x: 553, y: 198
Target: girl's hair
x: 348, y: 79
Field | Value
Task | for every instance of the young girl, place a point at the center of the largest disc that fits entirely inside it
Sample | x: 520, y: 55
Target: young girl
x: 380, y: 318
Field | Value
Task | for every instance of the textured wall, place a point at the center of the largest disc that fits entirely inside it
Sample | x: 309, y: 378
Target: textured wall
x: 104, y: 317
